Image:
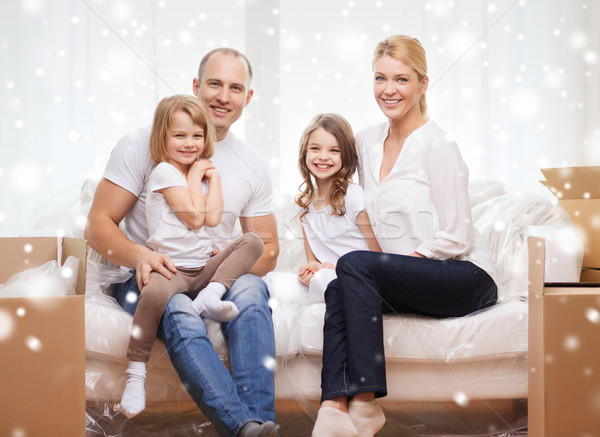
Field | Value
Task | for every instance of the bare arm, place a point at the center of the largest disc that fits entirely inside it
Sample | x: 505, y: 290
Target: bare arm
x: 190, y: 204
x: 266, y: 228
x: 364, y: 224
x: 310, y: 256
x: 307, y: 271
x: 111, y: 204
x: 213, y: 201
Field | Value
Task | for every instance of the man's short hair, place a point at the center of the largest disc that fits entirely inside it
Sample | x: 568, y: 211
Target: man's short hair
x: 224, y: 51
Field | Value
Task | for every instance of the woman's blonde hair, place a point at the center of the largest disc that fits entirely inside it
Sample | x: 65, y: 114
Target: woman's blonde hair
x: 163, y: 114
x: 408, y: 50
x: 339, y: 127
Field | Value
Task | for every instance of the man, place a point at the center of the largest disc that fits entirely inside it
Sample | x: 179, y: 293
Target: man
x: 240, y: 403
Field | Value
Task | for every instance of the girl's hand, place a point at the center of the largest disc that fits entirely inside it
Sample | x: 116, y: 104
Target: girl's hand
x: 199, y: 168
x: 211, y: 174
x: 307, y: 271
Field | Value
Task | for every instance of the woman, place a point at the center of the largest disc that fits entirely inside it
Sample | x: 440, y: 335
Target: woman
x: 433, y: 261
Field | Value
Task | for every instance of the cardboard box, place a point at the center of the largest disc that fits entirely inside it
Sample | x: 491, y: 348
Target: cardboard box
x: 42, y: 346
x: 578, y: 192
x: 590, y: 275
x: 564, y: 359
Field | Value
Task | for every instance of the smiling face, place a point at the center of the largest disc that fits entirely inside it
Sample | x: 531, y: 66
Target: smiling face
x: 184, y: 141
x: 397, y: 88
x: 323, y: 157
x: 225, y: 88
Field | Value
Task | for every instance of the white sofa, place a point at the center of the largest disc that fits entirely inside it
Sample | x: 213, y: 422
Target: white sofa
x: 463, y: 376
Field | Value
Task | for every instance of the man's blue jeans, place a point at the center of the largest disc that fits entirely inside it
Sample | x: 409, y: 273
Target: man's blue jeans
x: 370, y: 283
x: 228, y: 400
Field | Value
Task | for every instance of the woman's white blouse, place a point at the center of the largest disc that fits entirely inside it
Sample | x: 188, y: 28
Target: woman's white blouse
x: 422, y: 205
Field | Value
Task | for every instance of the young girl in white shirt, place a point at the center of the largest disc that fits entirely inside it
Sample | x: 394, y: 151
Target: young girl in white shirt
x: 434, y: 262
x: 333, y: 217
x: 184, y: 195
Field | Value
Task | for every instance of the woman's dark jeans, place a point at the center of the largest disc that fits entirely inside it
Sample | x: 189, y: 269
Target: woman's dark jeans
x: 370, y: 283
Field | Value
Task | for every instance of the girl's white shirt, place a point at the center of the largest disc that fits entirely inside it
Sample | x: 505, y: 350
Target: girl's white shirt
x: 245, y: 181
x: 167, y: 233
x: 330, y: 236
x: 423, y: 204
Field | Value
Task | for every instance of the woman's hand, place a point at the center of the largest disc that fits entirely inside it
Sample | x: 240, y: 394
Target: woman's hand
x: 417, y: 255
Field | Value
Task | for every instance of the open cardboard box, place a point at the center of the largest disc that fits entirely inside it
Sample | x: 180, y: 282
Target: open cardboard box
x: 578, y: 193
x: 564, y: 328
x: 42, y: 346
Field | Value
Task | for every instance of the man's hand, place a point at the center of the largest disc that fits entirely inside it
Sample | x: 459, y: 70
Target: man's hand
x: 152, y: 261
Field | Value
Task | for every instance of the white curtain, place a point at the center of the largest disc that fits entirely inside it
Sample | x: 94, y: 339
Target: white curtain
x: 516, y: 81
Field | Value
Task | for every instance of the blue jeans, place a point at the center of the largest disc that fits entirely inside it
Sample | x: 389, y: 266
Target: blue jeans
x: 370, y: 283
x: 228, y: 400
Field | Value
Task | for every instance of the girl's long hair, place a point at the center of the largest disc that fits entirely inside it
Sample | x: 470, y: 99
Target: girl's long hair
x: 165, y: 109
x: 339, y: 127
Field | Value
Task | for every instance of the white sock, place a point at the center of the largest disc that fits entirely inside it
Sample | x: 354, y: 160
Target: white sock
x: 133, y: 401
x: 332, y: 422
x: 367, y: 416
x: 208, y: 303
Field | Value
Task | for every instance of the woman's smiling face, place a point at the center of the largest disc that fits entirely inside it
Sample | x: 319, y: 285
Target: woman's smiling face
x: 397, y: 88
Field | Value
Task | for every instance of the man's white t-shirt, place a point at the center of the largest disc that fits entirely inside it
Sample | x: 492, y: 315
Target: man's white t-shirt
x: 247, y: 189
x: 186, y: 247
x: 330, y: 236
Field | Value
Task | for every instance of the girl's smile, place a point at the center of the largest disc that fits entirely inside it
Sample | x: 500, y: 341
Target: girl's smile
x: 185, y: 141
x: 323, y: 157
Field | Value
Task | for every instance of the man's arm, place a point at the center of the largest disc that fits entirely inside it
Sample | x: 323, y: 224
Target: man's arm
x: 111, y: 204
x: 266, y: 228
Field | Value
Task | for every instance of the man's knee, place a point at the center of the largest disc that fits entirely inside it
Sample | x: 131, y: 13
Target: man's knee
x: 180, y: 317
x: 179, y: 303
x: 248, y: 290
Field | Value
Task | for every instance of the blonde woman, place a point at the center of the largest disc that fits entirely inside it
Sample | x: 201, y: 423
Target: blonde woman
x: 433, y: 262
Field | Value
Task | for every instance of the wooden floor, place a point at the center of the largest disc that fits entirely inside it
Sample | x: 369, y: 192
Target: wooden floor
x: 294, y: 420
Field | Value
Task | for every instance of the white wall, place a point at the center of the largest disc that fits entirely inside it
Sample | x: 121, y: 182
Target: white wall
x: 516, y: 81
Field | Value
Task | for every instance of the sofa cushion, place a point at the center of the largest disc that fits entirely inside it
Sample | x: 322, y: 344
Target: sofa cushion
x: 499, y: 331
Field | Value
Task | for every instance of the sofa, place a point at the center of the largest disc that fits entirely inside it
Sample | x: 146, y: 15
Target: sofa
x: 461, y: 376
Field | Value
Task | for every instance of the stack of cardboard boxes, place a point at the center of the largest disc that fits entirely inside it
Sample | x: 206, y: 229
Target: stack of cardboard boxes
x: 42, y: 346
x: 578, y: 193
x: 564, y: 319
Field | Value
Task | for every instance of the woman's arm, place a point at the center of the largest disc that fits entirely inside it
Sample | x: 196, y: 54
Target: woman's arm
x: 364, y: 224
x: 449, y: 183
